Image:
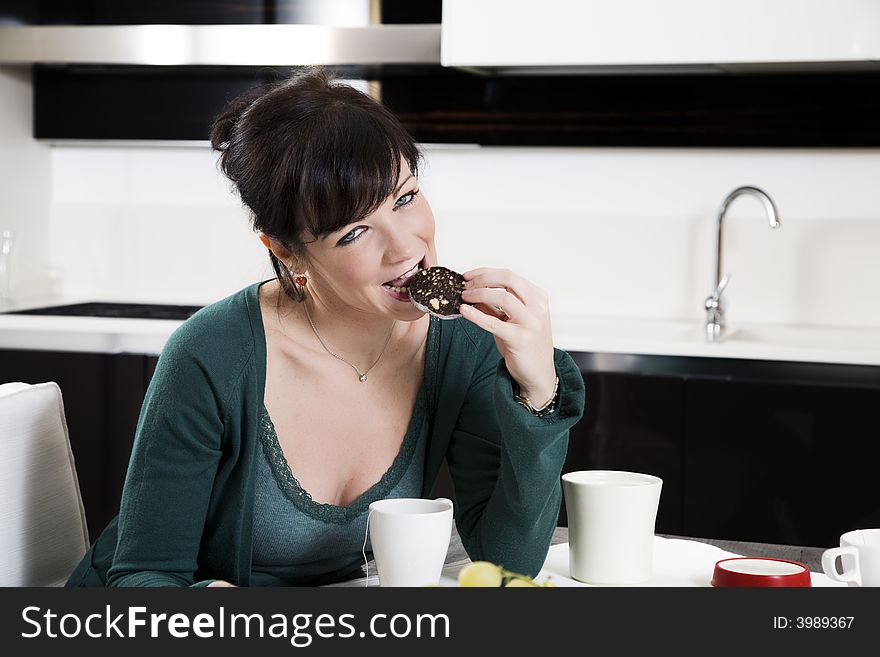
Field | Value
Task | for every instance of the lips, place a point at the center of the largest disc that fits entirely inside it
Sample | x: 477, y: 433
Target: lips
x: 401, y: 281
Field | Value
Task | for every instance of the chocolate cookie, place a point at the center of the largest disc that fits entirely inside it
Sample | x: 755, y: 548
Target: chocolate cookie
x: 437, y: 291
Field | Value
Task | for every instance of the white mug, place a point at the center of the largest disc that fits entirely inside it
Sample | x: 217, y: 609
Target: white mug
x: 859, y: 554
x: 410, y: 539
x: 611, y: 516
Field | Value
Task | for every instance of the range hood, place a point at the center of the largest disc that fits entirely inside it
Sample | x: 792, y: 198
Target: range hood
x: 220, y: 45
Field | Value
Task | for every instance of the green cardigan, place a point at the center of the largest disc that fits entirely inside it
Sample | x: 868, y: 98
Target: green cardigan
x: 186, y: 512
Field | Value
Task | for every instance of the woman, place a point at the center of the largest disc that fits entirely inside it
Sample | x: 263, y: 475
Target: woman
x: 276, y: 415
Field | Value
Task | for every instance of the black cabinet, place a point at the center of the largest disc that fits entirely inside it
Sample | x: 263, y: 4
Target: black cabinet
x: 780, y: 463
x: 633, y: 422
x: 102, y: 396
x: 761, y: 451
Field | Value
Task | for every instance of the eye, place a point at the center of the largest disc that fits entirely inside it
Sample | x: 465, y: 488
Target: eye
x: 351, y: 236
x: 406, y: 199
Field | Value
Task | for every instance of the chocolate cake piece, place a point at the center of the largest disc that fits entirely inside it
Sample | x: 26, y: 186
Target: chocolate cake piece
x: 437, y: 291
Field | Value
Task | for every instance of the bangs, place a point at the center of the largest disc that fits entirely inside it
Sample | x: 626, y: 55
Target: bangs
x: 351, y: 164
x: 311, y: 155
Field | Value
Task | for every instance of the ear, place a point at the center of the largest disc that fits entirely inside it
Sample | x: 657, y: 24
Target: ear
x: 280, y: 251
x: 277, y: 248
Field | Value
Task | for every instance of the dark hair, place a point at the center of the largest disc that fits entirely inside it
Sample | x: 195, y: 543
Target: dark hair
x: 309, y: 155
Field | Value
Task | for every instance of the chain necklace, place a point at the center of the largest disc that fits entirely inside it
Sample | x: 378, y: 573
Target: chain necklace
x: 362, y: 376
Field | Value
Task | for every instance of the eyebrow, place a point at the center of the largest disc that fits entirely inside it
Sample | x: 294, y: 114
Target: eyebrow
x: 400, y: 186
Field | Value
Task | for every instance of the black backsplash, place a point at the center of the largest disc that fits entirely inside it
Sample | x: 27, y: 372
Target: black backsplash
x: 452, y: 106
x: 92, y: 102
x: 721, y: 110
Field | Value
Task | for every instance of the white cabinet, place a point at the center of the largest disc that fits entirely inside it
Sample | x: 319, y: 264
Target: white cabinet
x: 664, y: 33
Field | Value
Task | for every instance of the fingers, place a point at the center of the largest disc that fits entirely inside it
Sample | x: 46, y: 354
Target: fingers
x: 497, y: 301
x: 491, y: 323
x: 485, y: 277
x: 525, y: 340
x: 504, y: 303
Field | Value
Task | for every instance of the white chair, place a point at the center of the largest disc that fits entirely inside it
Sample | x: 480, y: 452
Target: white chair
x: 43, y: 532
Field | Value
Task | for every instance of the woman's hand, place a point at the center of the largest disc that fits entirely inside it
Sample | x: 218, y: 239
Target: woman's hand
x: 219, y: 583
x: 516, y: 312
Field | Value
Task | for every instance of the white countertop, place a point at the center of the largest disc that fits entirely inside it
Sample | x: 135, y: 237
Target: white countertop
x: 576, y: 334
x: 90, y: 334
x: 852, y: 346
x: 85, y: 334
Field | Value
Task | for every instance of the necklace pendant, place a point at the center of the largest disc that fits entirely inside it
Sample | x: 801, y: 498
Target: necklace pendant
x: 362, y: 378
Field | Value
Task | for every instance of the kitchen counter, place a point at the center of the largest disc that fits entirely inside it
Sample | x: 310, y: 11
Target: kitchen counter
x: 575, y: 334
x: 852, y: 346
x: 85, y: 334
x: 81, y: 334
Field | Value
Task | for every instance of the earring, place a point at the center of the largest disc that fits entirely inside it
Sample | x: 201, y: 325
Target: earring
x: 300, y: 280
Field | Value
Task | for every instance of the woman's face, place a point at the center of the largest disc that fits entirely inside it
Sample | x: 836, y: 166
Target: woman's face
x: 358, y: 267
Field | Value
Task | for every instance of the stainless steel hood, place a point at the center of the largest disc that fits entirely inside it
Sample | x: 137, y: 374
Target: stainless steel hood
x: 221, y: 45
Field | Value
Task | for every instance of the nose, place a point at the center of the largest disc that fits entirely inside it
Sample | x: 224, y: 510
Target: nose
x: 402, y: 247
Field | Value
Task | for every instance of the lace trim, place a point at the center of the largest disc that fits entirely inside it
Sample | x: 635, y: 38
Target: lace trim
x: 332, y: 513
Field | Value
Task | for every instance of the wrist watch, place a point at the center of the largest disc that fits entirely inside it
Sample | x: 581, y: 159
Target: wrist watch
x: 546, y: 409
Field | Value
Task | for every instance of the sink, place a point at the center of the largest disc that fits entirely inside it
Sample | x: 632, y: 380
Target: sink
x: 117, y: 310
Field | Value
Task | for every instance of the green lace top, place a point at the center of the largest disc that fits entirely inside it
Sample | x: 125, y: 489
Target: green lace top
x: 304, y: 542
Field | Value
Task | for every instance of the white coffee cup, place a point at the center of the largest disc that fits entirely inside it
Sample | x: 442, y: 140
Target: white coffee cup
x: 410, y: 539
x: 611, y: 516
x: 859, y: 554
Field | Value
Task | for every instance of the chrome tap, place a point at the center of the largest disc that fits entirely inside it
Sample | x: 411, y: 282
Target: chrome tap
x: 714, y: 309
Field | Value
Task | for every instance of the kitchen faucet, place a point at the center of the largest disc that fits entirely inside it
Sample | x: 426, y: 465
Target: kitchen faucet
x: 714, y: 311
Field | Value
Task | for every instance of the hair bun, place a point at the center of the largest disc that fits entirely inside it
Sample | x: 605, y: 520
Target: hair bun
x: 223, y: 126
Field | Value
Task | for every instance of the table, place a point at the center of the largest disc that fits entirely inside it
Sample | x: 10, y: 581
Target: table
x: 456, y: 556
x: 809, y: 556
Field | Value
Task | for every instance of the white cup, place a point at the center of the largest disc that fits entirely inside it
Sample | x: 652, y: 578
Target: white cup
x: 611, y: 516
x: 859, y: 554
x: 410, y: 539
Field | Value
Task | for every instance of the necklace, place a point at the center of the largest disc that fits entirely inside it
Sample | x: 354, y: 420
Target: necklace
x: 362, y: 376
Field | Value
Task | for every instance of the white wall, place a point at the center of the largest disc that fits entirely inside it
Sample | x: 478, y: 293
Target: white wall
x: 24, y: 184
x: 609, y: 232
x: 147, y: 223
x: 630, y: 232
